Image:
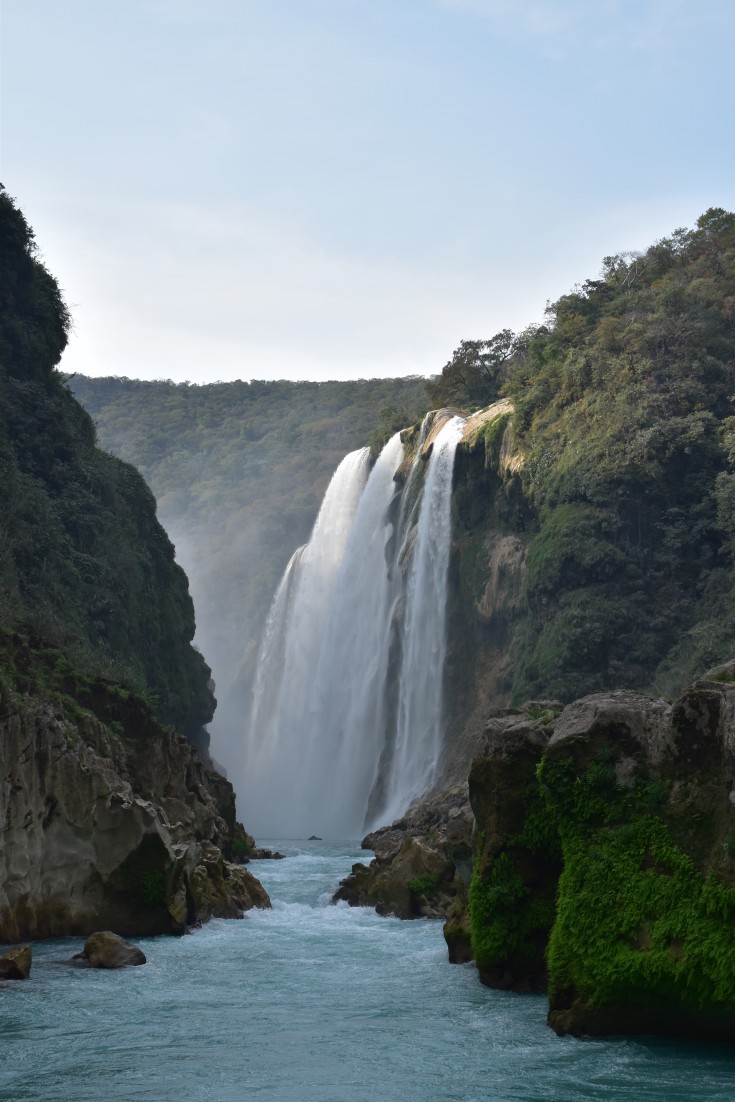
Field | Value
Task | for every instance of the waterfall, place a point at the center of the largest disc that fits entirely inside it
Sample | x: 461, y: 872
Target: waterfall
x: 277, y: 745
x: 349, y: 691
x: 419, y: 721
x: 349, y: 678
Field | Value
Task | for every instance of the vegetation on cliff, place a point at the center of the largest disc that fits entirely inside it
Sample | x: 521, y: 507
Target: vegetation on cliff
x: 109, y: 817
x: 85, y: 567
x: 624, y: 487
x: 620, y: 844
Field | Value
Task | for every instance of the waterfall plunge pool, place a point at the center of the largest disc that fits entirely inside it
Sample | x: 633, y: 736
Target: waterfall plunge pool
x: 314, y: 1003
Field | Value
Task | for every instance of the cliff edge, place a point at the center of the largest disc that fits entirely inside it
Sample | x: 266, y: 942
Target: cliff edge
x: 109, y: 817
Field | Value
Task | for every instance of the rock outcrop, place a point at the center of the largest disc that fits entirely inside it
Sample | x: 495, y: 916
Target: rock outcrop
x: 15, y: 964
x: 104, y: 949
x: 517, y: 859
x: 604, y: 861
x: 419, y: 860
x: 111, y: 828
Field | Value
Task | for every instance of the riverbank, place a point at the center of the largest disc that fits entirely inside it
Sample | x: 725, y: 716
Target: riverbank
x: 315, y: 1003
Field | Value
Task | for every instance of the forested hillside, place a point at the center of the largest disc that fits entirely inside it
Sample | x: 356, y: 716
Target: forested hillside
x: 88, y: 584
x: 110, y: 819
x: 624, y: 491
x: 239, y: 470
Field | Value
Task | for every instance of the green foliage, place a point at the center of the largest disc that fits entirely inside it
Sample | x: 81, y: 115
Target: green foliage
x: 636, y: 923
x: 391, y: 420
x: 85, y: 568
x: 511, y: 911
x: 474, y: 375
x: 241, y: 848
x: 153, y: 886
x: 493, y: 433
x: 507, y: 921
x: 34, y: 321
x: 546, y: 715
x: 623, y: 415
x: 424, y: 884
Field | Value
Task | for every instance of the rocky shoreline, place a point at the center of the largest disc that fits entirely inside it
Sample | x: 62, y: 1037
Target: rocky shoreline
x: 597, y: 862
x: 112, y: 824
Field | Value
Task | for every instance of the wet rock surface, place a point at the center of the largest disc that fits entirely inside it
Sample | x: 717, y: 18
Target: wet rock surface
x: 15, y: 963
x: 419, y: 860
x: 105, y: 949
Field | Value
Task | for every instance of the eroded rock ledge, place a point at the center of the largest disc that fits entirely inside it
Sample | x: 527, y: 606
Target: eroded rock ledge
x: 104, y: 828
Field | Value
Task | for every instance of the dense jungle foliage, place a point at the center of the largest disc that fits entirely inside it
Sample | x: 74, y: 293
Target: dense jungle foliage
x: 624, y: 415
x: 88, y: 583
x: 239, y: 471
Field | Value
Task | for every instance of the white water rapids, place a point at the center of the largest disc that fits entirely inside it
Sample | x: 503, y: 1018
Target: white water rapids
x: 347, y: 711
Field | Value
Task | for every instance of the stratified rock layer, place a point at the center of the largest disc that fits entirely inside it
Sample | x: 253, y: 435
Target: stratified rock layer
x: 101, y: 829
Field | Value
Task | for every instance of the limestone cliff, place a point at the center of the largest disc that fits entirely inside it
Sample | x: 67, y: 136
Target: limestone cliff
x: 111, y: 828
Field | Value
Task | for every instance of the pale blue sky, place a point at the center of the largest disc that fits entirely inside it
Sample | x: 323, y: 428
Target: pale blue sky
x: 346, y: 188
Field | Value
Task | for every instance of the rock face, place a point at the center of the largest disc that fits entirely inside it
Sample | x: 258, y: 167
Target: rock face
x: 123, y: 829
x: 416, y: 870
x: 108, y: 818
x: 104, y: 949
x: 517, y: 859
x: 605, y: 842
x: 15, y: 964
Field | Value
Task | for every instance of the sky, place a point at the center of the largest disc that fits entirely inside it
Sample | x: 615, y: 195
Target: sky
x: 314, y: 189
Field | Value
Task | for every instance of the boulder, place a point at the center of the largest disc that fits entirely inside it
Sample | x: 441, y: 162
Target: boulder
x: 15, y: 964
x: 104, y: 949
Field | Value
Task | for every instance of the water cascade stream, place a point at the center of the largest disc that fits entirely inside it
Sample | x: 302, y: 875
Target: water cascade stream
x: 357, y: 622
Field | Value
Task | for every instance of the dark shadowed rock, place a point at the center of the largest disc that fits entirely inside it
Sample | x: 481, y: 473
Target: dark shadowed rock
x: 15, y: 964
x: 510, y: 903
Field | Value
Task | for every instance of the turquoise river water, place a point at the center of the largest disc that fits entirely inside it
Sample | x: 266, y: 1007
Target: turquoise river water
x: 315, y: 1003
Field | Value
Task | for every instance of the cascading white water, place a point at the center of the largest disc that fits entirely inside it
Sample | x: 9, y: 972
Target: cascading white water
x: 419, y: 722
x: 348, y: 717
x: 278, y: 744
x: 320, y: 728
x: 269, y: 669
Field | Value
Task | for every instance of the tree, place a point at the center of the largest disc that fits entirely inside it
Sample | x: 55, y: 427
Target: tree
x: 475, y: 373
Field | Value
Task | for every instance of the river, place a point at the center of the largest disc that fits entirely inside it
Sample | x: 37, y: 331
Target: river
x: 314, y: 1003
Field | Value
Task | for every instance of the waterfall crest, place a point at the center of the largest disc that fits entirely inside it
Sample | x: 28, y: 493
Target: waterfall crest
x: 347, y: 708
